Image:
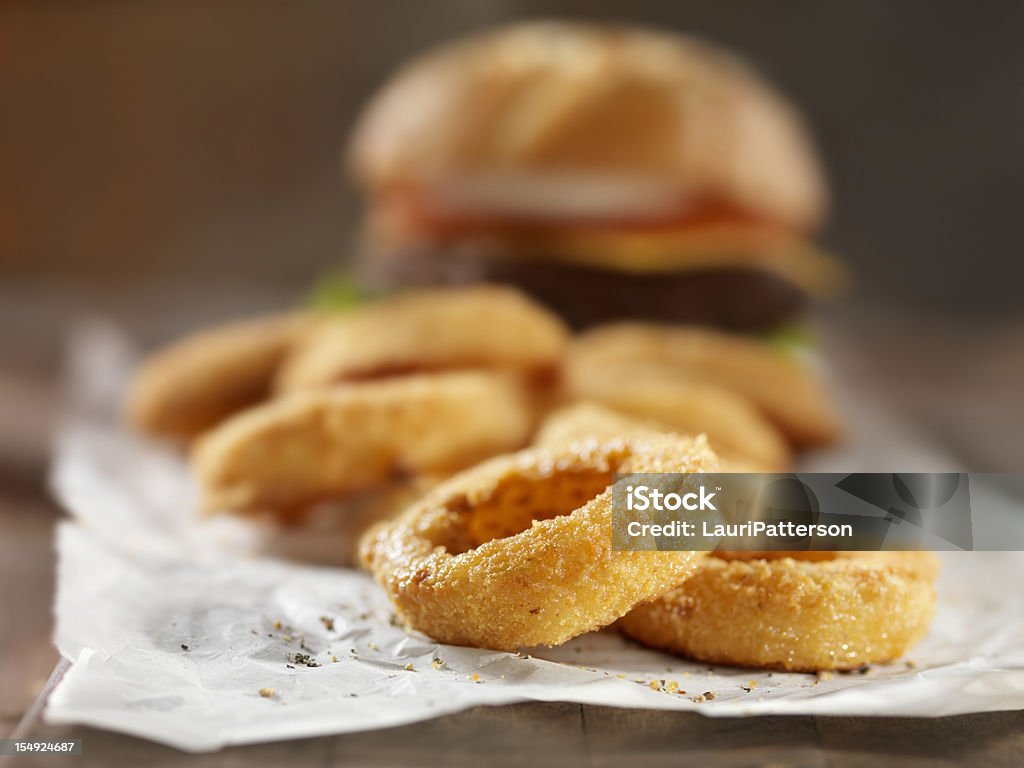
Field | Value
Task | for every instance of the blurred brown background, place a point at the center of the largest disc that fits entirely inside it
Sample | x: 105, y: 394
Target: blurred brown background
x: 150, y: 150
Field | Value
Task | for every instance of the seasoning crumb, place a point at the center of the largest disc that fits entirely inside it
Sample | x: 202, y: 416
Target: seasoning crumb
x: 372, y: 646
x: 268, y: 693
x: 409, y: 667
x: 911, y: 664
x: 438, y: 664
x: 673, y: 686
x: 184, y: 647
x: 654, y: 685
x: 334, y: 659
x: 277, y: 625
x: 475, y: 677
x: 328, y: 623
x: 752, y: 684
x: 699, y: 699
x: 709, y: 695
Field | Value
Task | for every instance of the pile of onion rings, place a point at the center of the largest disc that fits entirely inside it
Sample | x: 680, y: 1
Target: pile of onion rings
x: 378, y: 406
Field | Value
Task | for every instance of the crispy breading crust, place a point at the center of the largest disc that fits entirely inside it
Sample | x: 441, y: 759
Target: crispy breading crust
x: 489, y: 327
x: 188, y: 387
x: 785, y: 389
x: 301, y: 449
x: 795, y: 615
x: 517, y: 552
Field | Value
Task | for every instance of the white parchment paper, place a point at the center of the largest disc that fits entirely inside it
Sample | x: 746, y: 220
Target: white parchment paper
x: 173, y: 630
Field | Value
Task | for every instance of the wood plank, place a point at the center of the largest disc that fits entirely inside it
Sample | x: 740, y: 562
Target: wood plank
x: 992, y: 739
x: 540, y: 734
x: 637, y: 737
x: 26, y: 597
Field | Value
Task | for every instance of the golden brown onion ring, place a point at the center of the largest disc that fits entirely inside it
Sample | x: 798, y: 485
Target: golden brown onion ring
x: 517, y: 551
x: 733, y: 425
x: 586, y: 420
x: 192, y: 385
x: 784, y: 388
x: 489, y: 327
x: 298, y: 450
x: 796, y: 615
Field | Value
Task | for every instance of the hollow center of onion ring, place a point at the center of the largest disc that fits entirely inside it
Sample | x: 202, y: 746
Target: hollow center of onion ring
x: 517, y: 502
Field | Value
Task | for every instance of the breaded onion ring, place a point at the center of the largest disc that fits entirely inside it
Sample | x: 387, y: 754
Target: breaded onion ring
x: 517, y: 551
x: 298, y: 450
x: 581, y: 421
x: 489, y: 327
x: 925, y: 564
x: 733, y: 425
x: 795, y: 615
x: 784, y: 388
x: 190, y: 386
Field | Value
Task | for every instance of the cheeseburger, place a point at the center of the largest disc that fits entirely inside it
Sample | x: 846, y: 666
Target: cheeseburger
x: 611, y: 172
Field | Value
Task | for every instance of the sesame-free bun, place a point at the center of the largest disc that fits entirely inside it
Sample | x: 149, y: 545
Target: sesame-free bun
x: 582, y: 119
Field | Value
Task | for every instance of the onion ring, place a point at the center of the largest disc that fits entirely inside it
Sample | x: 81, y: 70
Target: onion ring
x: 586, y: 420
x: 591, y: 421
x: 298, y: 450
x: 798, y: 615
x: 784, y: 388
x: 517, y: 551
x: 188, y: 387
x: 489, y: 327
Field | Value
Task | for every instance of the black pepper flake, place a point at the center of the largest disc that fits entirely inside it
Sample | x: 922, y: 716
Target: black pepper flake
x: 328, y: 623
x: 303, y: 660
x: 184, y: 647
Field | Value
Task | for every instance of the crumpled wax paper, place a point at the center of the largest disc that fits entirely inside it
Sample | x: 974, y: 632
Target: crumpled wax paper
x: 177, y: 634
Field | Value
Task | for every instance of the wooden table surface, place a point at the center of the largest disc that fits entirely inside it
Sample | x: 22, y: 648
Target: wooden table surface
x: 536, y: 733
